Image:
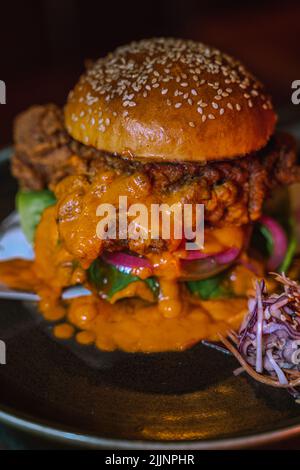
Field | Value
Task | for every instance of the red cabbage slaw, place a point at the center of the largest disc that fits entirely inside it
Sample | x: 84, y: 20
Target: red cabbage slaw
x: 268, y: 343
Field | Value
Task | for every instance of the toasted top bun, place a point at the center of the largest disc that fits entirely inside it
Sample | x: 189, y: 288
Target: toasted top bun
x: 170, y: 99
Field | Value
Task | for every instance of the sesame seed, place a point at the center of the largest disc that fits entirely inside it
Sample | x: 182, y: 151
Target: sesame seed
x: 140, y: 67
x: 191, y: 124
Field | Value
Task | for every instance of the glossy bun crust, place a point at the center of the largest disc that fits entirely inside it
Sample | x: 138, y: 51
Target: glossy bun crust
x: 170, y: 99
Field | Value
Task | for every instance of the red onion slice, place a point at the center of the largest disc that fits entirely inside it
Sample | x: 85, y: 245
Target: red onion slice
x: 195, y: 255
x: 224, y: 257
x: 279, y: 240
x: 124, y: 260
x: 227, y: 256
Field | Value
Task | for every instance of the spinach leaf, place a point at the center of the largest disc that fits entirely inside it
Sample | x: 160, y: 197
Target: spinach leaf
x: 109, y: 280
x: 215, y: 287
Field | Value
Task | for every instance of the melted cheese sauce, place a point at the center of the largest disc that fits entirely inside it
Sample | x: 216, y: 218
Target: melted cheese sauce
x: 131, y: 324
x: 66, y: 244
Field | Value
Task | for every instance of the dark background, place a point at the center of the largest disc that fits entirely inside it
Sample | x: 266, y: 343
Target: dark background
x: 43, y: 44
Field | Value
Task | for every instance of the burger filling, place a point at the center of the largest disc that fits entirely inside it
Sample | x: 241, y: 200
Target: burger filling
x: 147, y: 295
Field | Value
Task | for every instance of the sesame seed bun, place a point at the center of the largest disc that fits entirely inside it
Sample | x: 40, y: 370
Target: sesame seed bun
x: 170, y: 99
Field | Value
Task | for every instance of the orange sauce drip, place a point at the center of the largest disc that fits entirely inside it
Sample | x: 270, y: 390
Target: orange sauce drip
x: 133, y: 326
x: 66, y: 244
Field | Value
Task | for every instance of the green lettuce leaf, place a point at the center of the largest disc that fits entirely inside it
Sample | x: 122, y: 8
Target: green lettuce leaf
x: 31, y: 205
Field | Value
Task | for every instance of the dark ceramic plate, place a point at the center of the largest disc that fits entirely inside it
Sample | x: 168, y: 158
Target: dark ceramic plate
x: 81, y: 396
